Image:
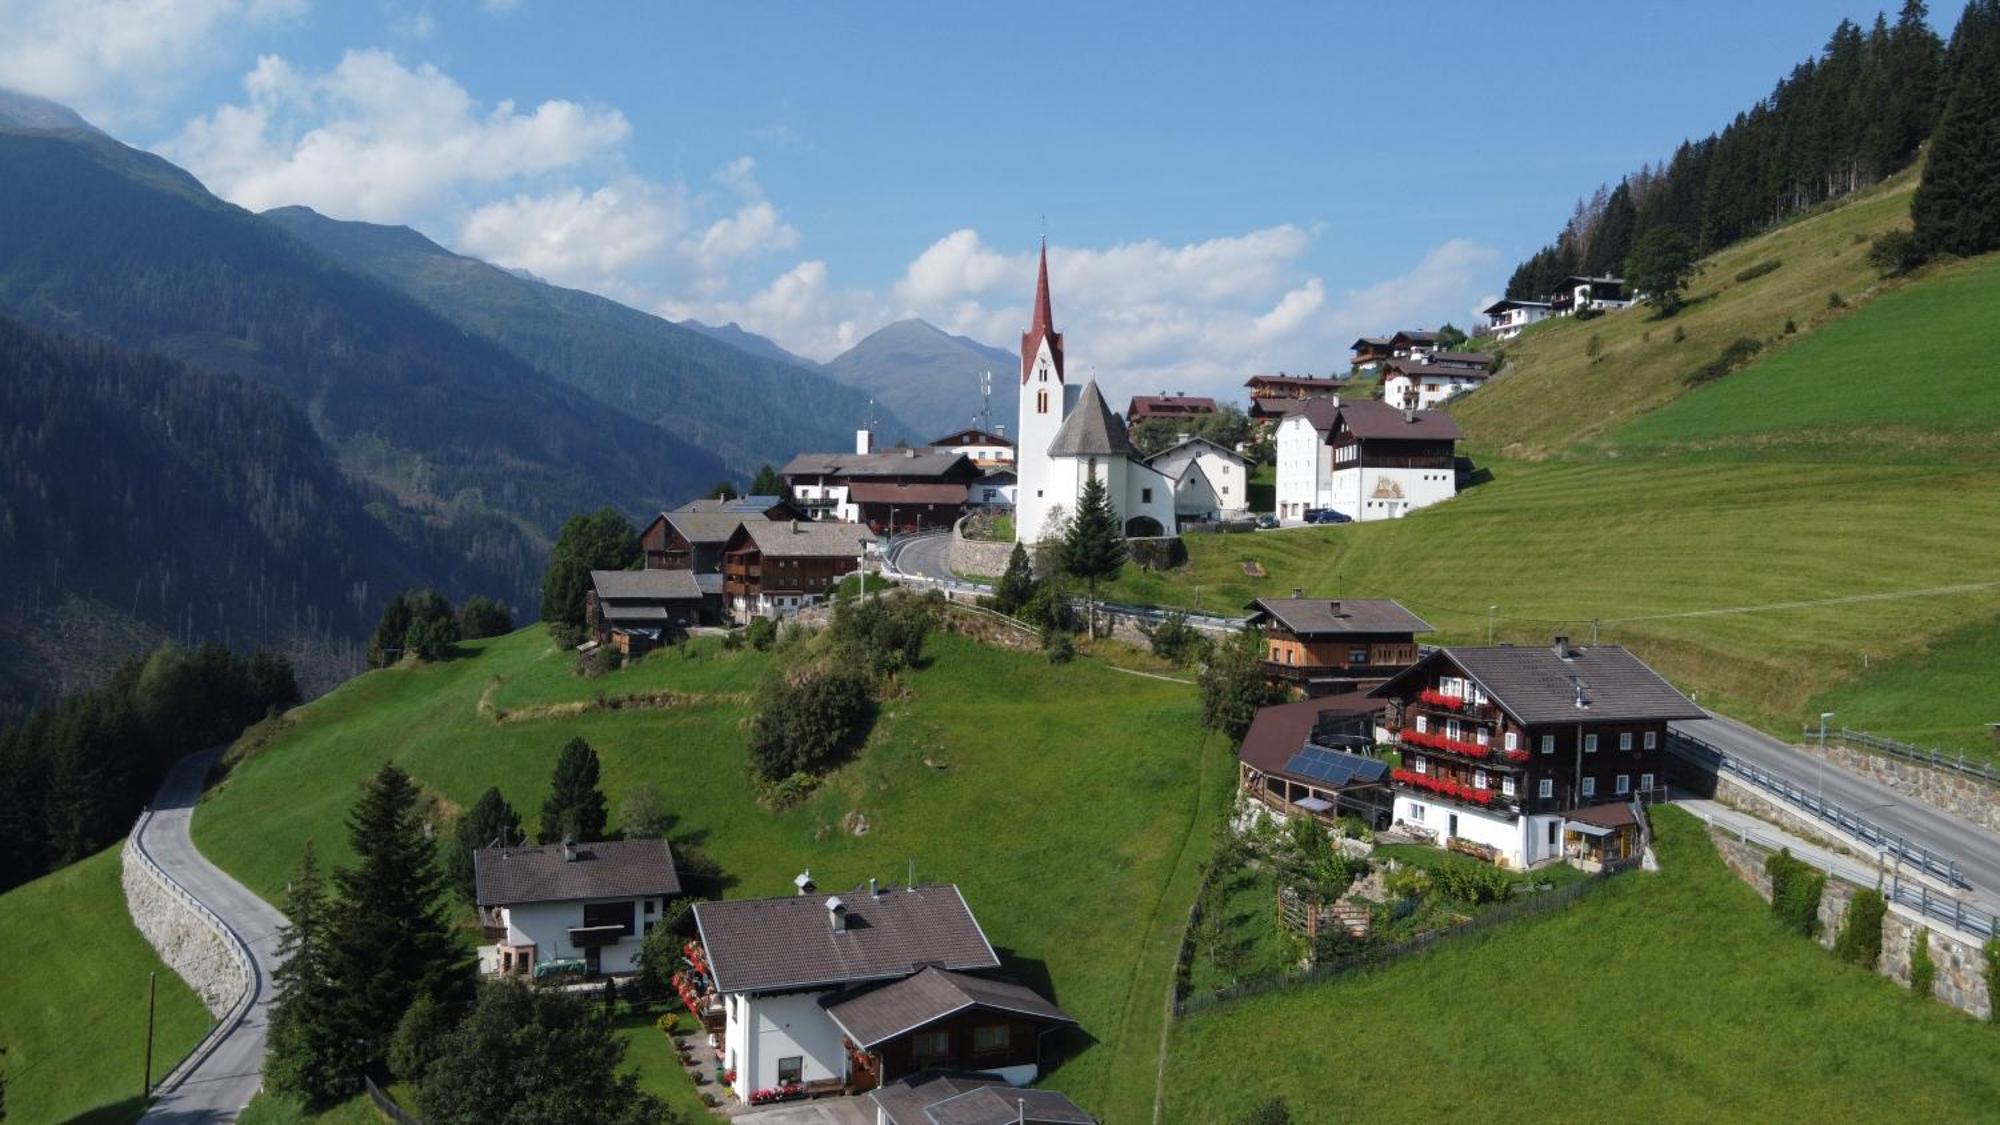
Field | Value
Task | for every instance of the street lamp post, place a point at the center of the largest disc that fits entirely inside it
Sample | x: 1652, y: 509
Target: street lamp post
x: 1819, y: 785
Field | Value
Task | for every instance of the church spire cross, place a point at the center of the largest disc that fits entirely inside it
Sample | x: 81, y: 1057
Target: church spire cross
x: 1043, y: 329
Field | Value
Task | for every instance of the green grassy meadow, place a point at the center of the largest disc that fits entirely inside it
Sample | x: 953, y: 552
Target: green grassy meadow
x: 1072, y: 805
x: 73, y: 999
x: 1664, y: 997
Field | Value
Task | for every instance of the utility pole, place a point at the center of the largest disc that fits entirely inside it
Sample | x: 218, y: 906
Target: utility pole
x: 152, y: 990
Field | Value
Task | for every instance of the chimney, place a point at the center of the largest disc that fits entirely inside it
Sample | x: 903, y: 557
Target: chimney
x: 909, y: 453
x: 1336, y: 402
x: 872, y: 892
x: 1409, y: 415
x: 569, y: 849
x: 1562, y: 647
x: 795, y: 527
x: 864, y: 440
x: 804, y: 882
x: 836, y: 914
x: 1335, y: 606
x: 1298, y: 592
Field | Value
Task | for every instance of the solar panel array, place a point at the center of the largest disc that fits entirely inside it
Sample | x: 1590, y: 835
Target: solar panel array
x: 1334, y: 768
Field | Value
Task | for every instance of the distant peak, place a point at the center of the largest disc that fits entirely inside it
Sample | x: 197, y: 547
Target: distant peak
x: 26, y: 111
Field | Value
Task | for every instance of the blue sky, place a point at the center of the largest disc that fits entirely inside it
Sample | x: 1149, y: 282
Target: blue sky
x: 1227, y: 188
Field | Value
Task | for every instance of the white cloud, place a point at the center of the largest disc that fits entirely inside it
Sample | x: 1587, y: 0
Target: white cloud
x: 577, y: 237
x: 374, y: 139
x: 753, y: 230
x: 114, y: 59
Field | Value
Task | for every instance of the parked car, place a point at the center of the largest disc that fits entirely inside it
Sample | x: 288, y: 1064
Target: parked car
x: 1328, y: 515
x: 1267, y: 522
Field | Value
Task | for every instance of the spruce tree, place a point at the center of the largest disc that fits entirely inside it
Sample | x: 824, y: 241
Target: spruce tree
x: 1957, y: 207
x: 603, y: 540
x: 490, y: 820
x: 306, y: 1056
x: 768, y: 483
x: 575, y: 807
x: 1093, y: 545
x: 1017, y: 585
x: 391, y: 943
x: 1659, y: 265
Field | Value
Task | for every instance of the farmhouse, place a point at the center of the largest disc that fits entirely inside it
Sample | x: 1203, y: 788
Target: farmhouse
x: 901, y: 489
x: 1274, y: 397
x: 1370, y: 353
x: 1363, y: 459
x: 1174, y: 407
x: 995, y: 490
x: 987, y: 451
x: 940, y: 1097
x: 1224, y: 471
x: 1412, y: 343
x: 1311, y: 758
x: 1577, y: 293
x: 1507, y: 317
x: 860, y: 989
x: 769, y: 507
x: 1320, y: 646
x: 570, y: 908
x: 1515, y: 751
x: 1069, y: 436
x: 774, y: 569
x: 692, y: 538
x: 1421, y: 385
x: 637, y: 611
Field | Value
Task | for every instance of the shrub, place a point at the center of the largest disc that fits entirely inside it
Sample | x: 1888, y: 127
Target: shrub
x: 732, y: 641
x: 1923, y: 971
x: 1768, y: 265
x: 1791, y: 327
x: 1470, y: 881
x: 1048, y: 610
x: 1796, y: 887
x: 1060, y: 645
x: 1157, y: 554
x: 1896, y: 253
x: 882, y: 634
x: 668, y: 1023
x: 1174, y: 640
x: 761, y: 633
x: 1233, y: 688
x: 1680, y: 333
x: 482, y: 616
x: 1835, y: 301
x: 808, y: 722
x: 1991, y: 950
x: 597, y: 662
x: 565, y: 635
x: 1593, y: 347
x: 1860, y: 936
x: 1735, y: 355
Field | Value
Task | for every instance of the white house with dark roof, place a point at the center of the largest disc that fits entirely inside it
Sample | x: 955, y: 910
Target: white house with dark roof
x: 851, y: 990
x: 1508, y: 317
x: 1224, y: 471
x: 1424, y: 384
x: 1366, y: 460
x: 1069, y: 436
x: 571, y: 907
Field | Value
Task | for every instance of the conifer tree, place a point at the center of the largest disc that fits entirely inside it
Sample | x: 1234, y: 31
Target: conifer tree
x: 491, y: 819
x: 390, y: 943
x: 1957, y: 207
x: 1017, y: 584
x: 575, y: 806
x: 1093, y: 545
x: 603, y: 540
x: 1660, y: 265
x: 306, y: 1057
x: 1233, y: 688
x: 768, y: 483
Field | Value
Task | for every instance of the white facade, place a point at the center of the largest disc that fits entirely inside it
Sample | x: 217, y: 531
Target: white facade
x: 1227, y: 472
x: 762, y: 1031
x: 990, y: 493
x: 1045, y: 401
x: 1194, y: 496
x: 1136, y: 491
x: 747, y: 606
x: 1372, y: 493
x: 983, y: 454
x: 1522, y: 842
x: 546, y: 926
x: 1509, y: 321
x: 1405, y: 391
x: 826, y: 501
x: 1304, y: 467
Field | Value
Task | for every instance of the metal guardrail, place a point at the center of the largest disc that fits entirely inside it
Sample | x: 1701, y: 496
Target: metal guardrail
x: 1860, y: 827
x: 239, y: 952
x: 1934, y: 757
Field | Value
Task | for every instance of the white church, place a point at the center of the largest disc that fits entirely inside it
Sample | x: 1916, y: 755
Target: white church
x: 1067, y: 435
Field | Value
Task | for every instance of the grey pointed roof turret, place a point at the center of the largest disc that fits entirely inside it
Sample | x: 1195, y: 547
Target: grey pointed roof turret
x: 1092, y: 430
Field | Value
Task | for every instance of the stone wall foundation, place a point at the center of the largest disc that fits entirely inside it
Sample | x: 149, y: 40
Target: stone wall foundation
x: 186, y: 939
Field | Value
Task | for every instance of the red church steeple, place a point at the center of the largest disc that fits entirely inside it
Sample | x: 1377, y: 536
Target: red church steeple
x: 1044, y: 326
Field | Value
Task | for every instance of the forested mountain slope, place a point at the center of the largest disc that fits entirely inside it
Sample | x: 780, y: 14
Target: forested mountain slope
x: 146, y: 499
x: 99, y: 239
x: 748, y: 409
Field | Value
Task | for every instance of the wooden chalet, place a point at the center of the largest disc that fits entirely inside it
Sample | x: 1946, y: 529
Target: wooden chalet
x: 1412, y: 343
x: 1577, y: 293
x: 637, y: 611
x: 939, y: 1019
x: 985, y: 449
x: 1374, y: 435
x: 777, y: 567
x: 1513, y: 752
x: 1175, y: 407
x: 1322, y: 646
x: 1370, y: 352
x: 1272, y: 397
x: 861, y: 487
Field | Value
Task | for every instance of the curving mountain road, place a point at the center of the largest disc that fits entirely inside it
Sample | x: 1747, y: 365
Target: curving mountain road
x: 224, y: 1080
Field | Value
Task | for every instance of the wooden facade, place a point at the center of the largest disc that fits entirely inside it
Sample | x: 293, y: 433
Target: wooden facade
x: 976, y: 1040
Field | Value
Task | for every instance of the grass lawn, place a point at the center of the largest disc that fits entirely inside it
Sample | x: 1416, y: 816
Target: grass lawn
x: 1664, y: 997
x: 1942, y: 698
x: 1558, y: 394
x: 270, y: 1109
x: 1247, y: 900
x: 1629, y: 542
x: 1074, y: 807
x: 650, y: 1055
x: 73, y: 999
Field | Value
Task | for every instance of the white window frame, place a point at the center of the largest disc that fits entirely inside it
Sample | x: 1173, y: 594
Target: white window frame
x: 1589, y: 787
x: 1479, y: 779
x: 1507, y: 785
x: 1548, y: 744
x: 1623, y: 785
x: 1421, y: 726
x: 1646, y: 782
x: 1547, y: 788
x: 1480, y: 736
x: 1652, y: 739
x: 1422, y: 764
x: 1590, y: 744
x: 1625, y: 740
x: 1513, y: 741
x: 1417, y: 813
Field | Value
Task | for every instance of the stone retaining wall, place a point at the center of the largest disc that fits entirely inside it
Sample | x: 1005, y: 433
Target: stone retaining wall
x: 976, y: 556
x: 186, y: 939
x: 1955, y: 793
x: 1961, y: 971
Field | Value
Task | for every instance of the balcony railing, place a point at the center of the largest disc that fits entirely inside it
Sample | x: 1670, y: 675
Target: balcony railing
x: 1457, y: 791
x: 1304, y: 672
x: 1431, y: 740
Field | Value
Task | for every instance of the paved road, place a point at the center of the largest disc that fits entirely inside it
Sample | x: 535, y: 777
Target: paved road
x: 1976, y: 850
x: 224, y: 1082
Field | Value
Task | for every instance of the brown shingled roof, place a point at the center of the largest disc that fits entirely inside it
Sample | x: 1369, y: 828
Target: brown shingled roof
x: 1326, y: 617
x: 606, y: 869
x: 1537, y: 686
x: 1278, y: 732
x: 872, y: 1015
x: 770, y: 944
x: 1371, y: 419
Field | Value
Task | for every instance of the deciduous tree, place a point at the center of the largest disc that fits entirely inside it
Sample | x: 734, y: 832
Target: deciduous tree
x: 1233, y: 688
